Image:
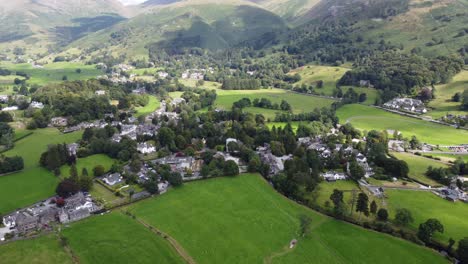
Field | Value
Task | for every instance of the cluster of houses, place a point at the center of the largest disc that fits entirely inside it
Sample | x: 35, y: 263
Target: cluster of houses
x: 453, y: 194
x: 5, y: 99
x: 196, y: 74
x: 44, y: 214
x: 407, y: 105
x: 458, y: 120
x: 276, y: 163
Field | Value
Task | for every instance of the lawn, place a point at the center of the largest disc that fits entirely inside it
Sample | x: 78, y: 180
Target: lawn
x: 89, y: 163
x: 443, y: 104
x: 330, y: 76
x: 243, y: 220
x: 34, y: 183
x: 54, y: 72
x: 369, y: 118
x: 117, y: 238
x: 425, y: 205
x: 42, y: 250
x: 418, y: 167
x: 152, y: 105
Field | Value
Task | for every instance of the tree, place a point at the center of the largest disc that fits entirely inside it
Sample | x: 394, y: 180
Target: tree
x: 73, y: 173
x: 231, y: 168
x: 356, y: 171
x: 5, y: 117
x: 362, y: 204
x: 175, y: 179
x: 99, y: 170
x: 415, y: 143
x: 462, y: 250
x: 403, y: 217
x: 336, y: 197
x: 136, y: 164
x: 373, y: 207
x: 464, y: 100
x: 86, y: 182
x: 427, y: 229
x: 305, y: 222
x: 67, y: 188
x: 382, y: 214
x: 362, y: 97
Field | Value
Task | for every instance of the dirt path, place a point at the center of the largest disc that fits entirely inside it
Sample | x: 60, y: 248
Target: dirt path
x: 180, y: 250
x: 63, y: 242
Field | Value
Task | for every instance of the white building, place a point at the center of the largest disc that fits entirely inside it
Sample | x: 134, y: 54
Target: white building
x: 146, y: 148
x: 37, y: 105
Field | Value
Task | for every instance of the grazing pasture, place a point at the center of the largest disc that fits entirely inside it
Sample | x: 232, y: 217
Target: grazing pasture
x: 243, y: 220
x: 117, y: 238
x: 330, y: 75
x: 443, y: 103
x: 424, y: 205
x: 370, y: 118
x: 42, y: 250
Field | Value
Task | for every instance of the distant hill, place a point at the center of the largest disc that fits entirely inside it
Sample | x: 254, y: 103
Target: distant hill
x: 38, y: 25
x: 207, y: 26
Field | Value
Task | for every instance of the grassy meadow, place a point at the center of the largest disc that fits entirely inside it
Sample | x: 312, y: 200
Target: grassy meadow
x: 424, y: 205
x: 34, y: 182
x: 443, y: 104
x: 330, y: 75
x: 369, y: 118
x: 418, y: 167
x: 54, y: 72
x: 45, y: 249
x: 117, y: 238
x: 243, y: 220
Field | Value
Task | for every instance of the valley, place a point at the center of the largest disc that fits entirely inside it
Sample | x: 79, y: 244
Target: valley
x: 240, y: 131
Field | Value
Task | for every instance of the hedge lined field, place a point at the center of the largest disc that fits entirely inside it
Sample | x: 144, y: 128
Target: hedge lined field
x: 243, y: 220
x: 370, y: 118
x: 34, y: 183
x: 418, y: 167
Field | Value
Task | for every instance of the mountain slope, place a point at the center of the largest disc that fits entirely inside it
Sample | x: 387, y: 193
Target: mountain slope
x: 38, y: 25
x: 179, y: 26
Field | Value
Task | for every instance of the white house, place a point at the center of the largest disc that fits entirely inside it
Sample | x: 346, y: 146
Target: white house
x: 146, y: 148
x: 100, y: 92
x: 334, y: 176
x: 11, y: 108
x: 37, y: 105
x: 113, y: 179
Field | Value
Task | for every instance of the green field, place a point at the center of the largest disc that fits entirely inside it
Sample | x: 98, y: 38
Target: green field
x: 448, y: 157
x: 54, y: 72
x: 325, y: 189
x: 369, y: 118
x: 300, y: 103
x: 117, y: 238
x: 329, y: 75
x: 89, y: 163
x: 425, y: 205
x: 418, y: 167
x: 34, y: 183
x: 46, y: 249
x: 443, y: 104
x: 152, y: 105
x: 243, y: 220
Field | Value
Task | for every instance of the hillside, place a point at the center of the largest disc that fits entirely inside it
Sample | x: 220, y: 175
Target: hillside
x: 38, y: 26
x: 206, y: 26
